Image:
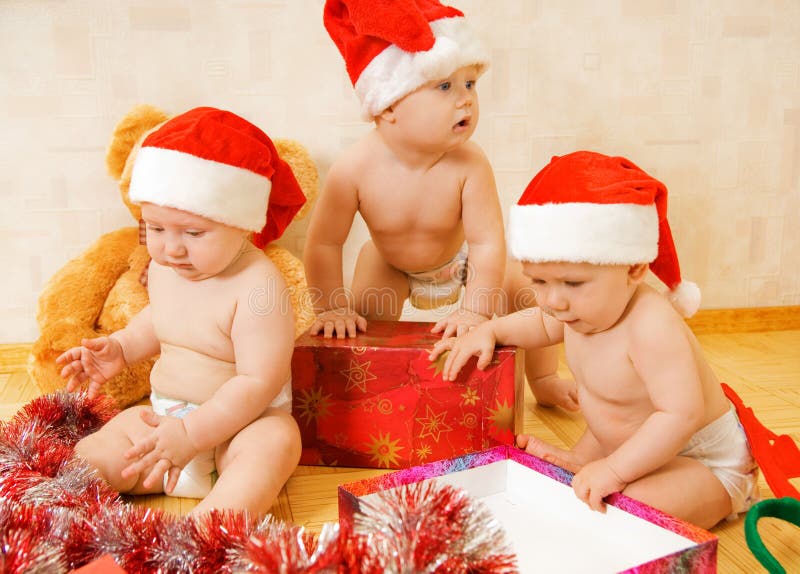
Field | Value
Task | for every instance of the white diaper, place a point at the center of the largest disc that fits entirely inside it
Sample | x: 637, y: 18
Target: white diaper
x: 722, y: 446
x: 199, y: 475
x: 441, y: 286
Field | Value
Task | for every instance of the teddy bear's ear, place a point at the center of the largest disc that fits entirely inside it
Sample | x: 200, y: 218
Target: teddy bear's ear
x: 304, y: 169
x: 128, y: 131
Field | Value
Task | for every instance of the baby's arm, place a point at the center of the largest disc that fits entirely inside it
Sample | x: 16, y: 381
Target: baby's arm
x: 664, y: 360
x: 483, y: 230
x: 529, y: 328
x: 322, y: 257
x: 98, y: 360
x: 138, y: 340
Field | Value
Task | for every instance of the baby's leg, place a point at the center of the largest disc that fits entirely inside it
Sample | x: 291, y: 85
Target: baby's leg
x: 255, y: 464
x: 379, y: 289
x: 550, y: 390
x: 684, y: 488
x: 105, y: 451
x: 541, y: 365
x: 583, y: 452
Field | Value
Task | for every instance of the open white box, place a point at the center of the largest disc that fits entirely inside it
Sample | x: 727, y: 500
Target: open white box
x: 549, y: 529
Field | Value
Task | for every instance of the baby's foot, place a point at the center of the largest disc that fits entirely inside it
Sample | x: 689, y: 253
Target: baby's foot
x: 548, y: 452
x: 552, y: 391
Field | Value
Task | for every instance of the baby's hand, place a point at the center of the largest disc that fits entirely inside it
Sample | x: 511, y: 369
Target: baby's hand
x: 341, y: 322
x: 458, y: 323
x: 166, y: 449
x: 96, y: 360
x: 478, y: 342
x: 595, y: 481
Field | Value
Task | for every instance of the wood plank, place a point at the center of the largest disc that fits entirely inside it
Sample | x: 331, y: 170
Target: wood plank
x: 315, y: 499
x: 14, y: 357
x: 745, y: 320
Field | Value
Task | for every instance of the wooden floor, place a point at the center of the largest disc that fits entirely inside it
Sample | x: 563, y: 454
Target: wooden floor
x: 763, y: 367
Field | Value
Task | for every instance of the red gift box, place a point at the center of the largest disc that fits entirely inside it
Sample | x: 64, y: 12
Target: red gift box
x: 377, y: 401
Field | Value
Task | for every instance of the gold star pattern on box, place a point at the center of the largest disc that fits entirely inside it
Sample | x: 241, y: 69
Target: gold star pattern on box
x: 503, y: 416
x: 358, y: 375
x: 312, y: 405
x: 433, y: 424
x: 423, y: 452
x: 470, y: 397
x: 438, y: 364
x: 384, y: 451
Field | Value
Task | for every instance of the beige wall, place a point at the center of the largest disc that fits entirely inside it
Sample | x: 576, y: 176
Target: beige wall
x: 704, y: 94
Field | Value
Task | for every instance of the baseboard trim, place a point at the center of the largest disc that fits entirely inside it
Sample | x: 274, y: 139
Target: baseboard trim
x: 745, y: 320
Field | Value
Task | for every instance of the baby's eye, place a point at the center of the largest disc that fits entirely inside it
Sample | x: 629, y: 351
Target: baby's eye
x: 192, y: 233
x: 444, y: 86
x: 537, y: 281
x: 573, y: 283
x: 470, y: 84
x: 154, y: 228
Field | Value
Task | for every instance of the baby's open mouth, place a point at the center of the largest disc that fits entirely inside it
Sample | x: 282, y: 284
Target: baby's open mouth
x: 463, y: 123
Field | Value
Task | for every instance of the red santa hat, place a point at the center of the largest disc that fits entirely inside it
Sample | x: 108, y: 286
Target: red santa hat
x: 216, y: 164
x: 392, y: 47
x: 592, y: 208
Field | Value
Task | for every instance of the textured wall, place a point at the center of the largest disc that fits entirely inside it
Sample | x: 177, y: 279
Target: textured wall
x: 704, y: 94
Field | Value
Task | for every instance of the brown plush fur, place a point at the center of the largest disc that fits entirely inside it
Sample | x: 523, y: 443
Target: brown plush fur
x: 99, y: 291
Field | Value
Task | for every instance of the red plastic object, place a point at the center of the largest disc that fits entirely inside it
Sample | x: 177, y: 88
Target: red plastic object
x: 777, y: 455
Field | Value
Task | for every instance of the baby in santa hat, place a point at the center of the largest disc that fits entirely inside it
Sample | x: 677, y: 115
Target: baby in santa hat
x: 659, y: 427
x: 211, y: 185
x: 425, y: 191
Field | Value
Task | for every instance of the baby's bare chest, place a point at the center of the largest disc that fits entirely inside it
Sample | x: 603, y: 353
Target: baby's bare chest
x: 396, y: 201
x: 613, y: 398
x: 602, y: 365
x: 194, y: 315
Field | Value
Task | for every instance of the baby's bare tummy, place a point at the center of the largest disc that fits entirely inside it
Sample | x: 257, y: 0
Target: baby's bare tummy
x: 415, y: 243
x: 416, y: 227
x: 413, y: 254
x: 186, y: 374
x: 613, y: 424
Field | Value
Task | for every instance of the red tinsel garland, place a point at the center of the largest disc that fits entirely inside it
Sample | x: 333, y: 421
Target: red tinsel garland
x: 57, y: 515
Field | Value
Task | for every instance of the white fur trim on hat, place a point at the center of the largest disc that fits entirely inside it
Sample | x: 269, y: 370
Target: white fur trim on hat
x: 395, y: 73
x: 618, y: 233
x: 218, y: 191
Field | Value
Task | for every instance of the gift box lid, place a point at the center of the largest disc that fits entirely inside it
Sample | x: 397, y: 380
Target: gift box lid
x: 549, y: 528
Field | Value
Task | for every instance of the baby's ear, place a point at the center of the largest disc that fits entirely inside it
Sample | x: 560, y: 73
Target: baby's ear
x: 387, y: 115
x: 637, y: 272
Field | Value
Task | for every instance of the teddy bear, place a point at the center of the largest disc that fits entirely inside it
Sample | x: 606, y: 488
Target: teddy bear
x: 99, y: 291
